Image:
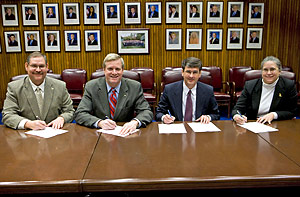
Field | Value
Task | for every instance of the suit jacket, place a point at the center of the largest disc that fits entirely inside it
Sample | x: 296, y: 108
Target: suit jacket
x: 114, y: 15
x: 176, y: 15
x: 34, y: 43
x: 74, y: 42
x: 155, y: 14
x: 236, y: 40
x: 70, y: 17
x: 257, y: 16
x: 216, y: 41
x: 32, y: 17
x: 21, y: 103
x: 254, y: 41
x: 171, y: 99
x: 217, y: 14
x: 94, y: 104
x: 53, y: 44
x: 284, y: 101
x: 131, y: 16
x: 15, y: 43
x: 51, y: 16
x: 196, y: 15
x: 237, y: 14
x: 94, y: 43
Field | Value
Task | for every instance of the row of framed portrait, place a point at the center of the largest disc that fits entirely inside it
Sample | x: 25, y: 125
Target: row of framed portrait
x: 134, y: 41
x: 153, y: 13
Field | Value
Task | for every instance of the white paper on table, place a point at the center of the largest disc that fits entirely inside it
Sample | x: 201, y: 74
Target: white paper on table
x: 171, y: 128
x: 47, y: 132
x: 201, y: 127
x: 116, y: 131
x: 256, y: 127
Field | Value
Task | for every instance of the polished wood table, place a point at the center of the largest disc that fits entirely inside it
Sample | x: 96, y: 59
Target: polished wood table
x: 232, y: 158
x: 30, y: 164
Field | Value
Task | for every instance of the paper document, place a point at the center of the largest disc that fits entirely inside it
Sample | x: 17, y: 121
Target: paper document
x: 200, y: 127
x: 116, y: 131
x: 47, y: 132
x: 171, y: 128
x: 256, y: 127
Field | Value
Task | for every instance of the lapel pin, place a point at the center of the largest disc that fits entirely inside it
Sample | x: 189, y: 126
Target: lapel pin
x: 280, y: 95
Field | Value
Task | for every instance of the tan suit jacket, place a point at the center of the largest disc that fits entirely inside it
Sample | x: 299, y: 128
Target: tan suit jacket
x: 21, y: 103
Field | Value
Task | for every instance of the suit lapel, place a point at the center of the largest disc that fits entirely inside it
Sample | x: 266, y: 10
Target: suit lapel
x: 279, y: 89
x: 48, y: 97
x: 122, y: 98
x: 177, y: 95
x: 103, y: 96
x: 256, y: 96
x: 31, y: 98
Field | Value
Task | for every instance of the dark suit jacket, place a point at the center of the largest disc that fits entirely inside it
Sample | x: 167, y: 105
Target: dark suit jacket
x: 257, y: 16
x: 216, y: 41
x: 10, y: 17
x: 51, y: 16
x: 176, y: 15
x: 74, y: 42
x: 15, y: 43
x: 155, y: 14
x: 171, y: 99
x: 236, y: 40
x: 32, y: 17
x: 21, y: 103
x: 130, y: 15
x: 34, y: 43
x: 238, y: 14
x: 94, y: 104
x: 73, y: 15
x: 114, y: 15
x: 196, y: 15
x: 217, y: 14
x: 53, y: 44
x: 94, y: 43
x: 254, y: 41
x: 284, y: 101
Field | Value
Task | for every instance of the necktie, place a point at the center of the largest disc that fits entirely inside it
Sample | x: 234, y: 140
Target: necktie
x: 39, y: 97
x: 112, y: 102
x: 188, y: 107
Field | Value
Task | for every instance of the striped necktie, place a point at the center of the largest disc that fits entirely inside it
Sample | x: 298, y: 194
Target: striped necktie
x: 112, y: 102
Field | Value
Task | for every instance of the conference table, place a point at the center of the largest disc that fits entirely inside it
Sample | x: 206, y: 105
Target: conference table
x: 83, y: 160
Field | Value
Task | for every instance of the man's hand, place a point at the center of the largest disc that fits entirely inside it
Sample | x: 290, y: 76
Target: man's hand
x: 240, y: 119
x: 203, y: 119
x: 167, y: 119
x: 266, y: 118
x: 35, y: 125
x: 107, y: 124
x: 129, y: 127
x: 58, y: 123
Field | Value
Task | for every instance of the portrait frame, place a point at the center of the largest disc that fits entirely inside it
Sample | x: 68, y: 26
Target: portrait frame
x: 36, y: 41
x: 75, y: 46
x: 10, y: 20
x: 13, y: 48
x: 92, y: 45
x: 194, y: 18
x: 30, y: 20
x: 114, y: 19
x: 125, y: 44
x: 56, y: 46
x: 176, y: 17
x: 129, y: 19
x: 71, y: 19
x: 251, y: 15
x: 235, y: 16
x: 51, y: 13
x: 218, y: 18
x: 217, y: 44
x: 254, y: 44
x: 232, y: 41
x: 173, y: 43
x: 91, y: 19
x: 155, y: 18
x: 191, y: 41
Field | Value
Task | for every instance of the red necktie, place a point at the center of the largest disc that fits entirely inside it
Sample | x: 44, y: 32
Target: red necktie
x: 112, y: 102
x: 188, y: 107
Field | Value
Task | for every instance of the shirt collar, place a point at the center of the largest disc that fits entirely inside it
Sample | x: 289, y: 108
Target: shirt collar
x: 186, y: 89
x: 42, y: 86
x: 116, y: 88
x: 272, y: 85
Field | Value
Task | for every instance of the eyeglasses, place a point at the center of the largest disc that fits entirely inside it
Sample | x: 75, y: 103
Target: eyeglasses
x: 38, y: 66
x: 271, y: 70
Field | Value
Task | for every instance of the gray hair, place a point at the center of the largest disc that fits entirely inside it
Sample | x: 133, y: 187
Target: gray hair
x: 36, y: 54
x: 191, y: 62
x: 273, y: 59
x: 112, y: 57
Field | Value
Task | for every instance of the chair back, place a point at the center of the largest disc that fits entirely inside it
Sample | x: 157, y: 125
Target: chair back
x: 75, y: 79
x: 146, y: 77
x: 236, y: 75
x: 216, y: 75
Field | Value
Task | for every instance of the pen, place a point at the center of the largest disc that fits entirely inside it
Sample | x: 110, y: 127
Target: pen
x: 106, y: 117
x: 169, y: 113
x: 37, y: 118
x: 239, y: 113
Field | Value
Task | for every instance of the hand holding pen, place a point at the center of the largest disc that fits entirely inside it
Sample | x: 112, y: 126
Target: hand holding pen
x: 239, y: 118
x: 168, y: 118
x: 107, y: 124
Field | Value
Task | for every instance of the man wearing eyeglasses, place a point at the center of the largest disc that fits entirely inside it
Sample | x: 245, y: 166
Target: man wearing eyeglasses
x: 37, y: 101
x: 267, y: 98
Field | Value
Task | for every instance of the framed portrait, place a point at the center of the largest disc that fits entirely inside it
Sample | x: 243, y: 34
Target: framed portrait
x: 51, y: 14
x: 12, y: 41
x: 32, y: 41
x: 173, y: 12
x: 10, y: 15
x: 214, y: 39
x: 52, y: 41
x: 254, y: 38
x: 91, y: 14
x: 235, y: 38
x: 214, y: 12
x: 133, y: 41
x: 153, y: 12
x: 133, y: 13
x: 72, y: 40
x: 256, y: 13
x: 111, y: 13
x: 194, y: 12
x: 71, y: 13
x: 30, y: 14
x: 92, y: 40
x: 173, y: 39
x: 193, y: 39
x: 235, y: 12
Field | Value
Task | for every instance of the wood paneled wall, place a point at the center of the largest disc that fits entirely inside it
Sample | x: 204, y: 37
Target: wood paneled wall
x: 281, y: 30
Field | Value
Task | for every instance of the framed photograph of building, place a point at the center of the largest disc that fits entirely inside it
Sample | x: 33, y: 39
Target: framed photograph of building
x: 51, y: 14
x: 235, y: 38
x: 92, y: 40
x: 12, y: 41
x: 133, y: 41
x: 173, y: 39
x: 32, y: 41
x: 30, y: 14
x: 71, y: 13
x: 52, y: 41
x: 214, y: 12
x: 194, y: 12
x: 235, y: 12
x: 10, y: 15
x: 91, y: 15
x: 133, y: 13
x: 256, y: 13
x: 111, y: 13
x: 173, y: 12
x: 72, y: 40
x: 254, y: 38
x: 153, y: 12
x: 193, y: 39
x: 214, y: 39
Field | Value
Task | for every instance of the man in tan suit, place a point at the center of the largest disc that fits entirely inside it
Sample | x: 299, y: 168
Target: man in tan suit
x: 37, y: 101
